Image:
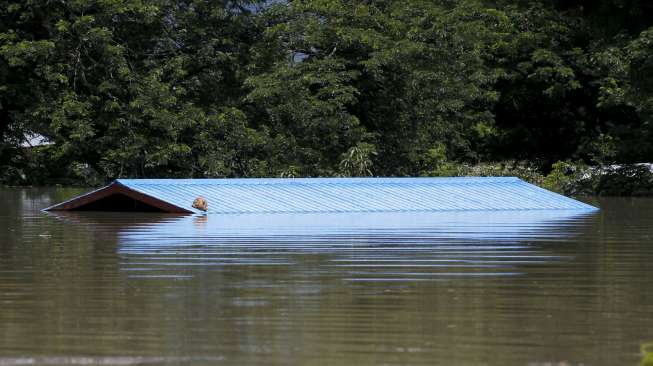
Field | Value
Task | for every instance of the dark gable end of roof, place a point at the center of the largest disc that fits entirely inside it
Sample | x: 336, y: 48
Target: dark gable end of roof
x: 120, y: 194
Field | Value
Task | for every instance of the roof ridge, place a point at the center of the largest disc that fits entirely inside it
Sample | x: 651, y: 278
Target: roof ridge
x: 321, y: 181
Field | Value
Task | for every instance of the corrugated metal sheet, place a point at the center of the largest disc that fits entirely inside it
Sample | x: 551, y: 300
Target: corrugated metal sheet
x: 238, y: 196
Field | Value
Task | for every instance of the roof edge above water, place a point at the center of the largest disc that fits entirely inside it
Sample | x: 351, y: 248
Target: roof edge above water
x: 116, y: 188
x: 303, y: 195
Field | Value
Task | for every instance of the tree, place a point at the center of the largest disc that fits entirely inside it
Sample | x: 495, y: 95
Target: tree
x: 123, y: 87
x: 234, y: 88
x: 402, y: 77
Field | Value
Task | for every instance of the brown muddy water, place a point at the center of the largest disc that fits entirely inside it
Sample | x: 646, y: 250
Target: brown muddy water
x: 419, y: 289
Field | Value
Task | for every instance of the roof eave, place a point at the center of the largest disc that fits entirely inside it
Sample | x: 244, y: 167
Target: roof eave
x: 117, y: 188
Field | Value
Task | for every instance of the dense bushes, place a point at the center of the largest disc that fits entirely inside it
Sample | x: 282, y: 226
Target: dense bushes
x: 574, y: 179
x: 580, y: 179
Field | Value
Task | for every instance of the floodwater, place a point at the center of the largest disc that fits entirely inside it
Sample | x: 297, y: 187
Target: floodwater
x: 493, y: 288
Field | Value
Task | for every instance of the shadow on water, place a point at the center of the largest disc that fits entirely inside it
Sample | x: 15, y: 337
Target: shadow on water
x: 359, y: 247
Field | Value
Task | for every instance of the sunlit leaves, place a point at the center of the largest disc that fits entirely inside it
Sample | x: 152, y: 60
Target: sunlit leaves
x: 136, y: 88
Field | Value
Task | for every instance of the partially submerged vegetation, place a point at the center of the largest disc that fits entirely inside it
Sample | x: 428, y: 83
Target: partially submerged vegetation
x: 614, y: 180
x: 162, y: 88
x: 647, y: 354
x: 572, y: 179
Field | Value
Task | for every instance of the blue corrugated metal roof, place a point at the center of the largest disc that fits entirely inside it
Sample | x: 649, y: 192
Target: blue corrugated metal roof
x: 303, y: 195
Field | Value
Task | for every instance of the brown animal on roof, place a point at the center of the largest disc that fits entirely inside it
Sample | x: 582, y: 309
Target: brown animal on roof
x: 201, y: 204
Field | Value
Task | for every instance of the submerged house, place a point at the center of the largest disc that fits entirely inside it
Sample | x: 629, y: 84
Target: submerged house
x: 314, y: 195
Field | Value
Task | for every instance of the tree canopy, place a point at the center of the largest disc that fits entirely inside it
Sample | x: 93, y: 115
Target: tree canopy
x: 199, y: 88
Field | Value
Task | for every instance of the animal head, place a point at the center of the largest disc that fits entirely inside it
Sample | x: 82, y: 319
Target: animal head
x: 201, y: 204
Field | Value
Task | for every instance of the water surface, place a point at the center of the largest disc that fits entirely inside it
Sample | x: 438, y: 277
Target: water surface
x: 527, y: 288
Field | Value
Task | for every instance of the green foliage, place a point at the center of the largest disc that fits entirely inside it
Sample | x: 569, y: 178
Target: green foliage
x: 520, y: 169
x: 647, y: 354
x: 567, y: 178
x: 131, y: 88
x: 579, y: 179
x: 357, y: 161
x: 628, y: 180
x: 406, y: 78
x: 626, y: 90
x: 171, y: 88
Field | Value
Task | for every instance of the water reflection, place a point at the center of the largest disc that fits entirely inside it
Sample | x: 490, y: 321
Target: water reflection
x: 385, y: 247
